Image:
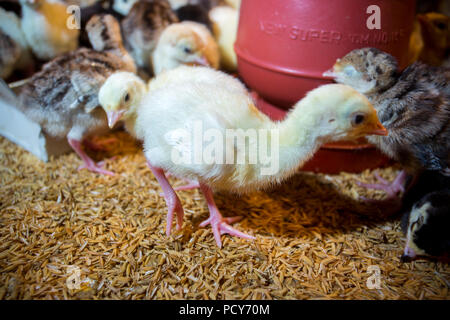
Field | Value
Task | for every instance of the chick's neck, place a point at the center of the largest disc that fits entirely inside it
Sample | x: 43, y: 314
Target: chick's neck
x: 302, y: 133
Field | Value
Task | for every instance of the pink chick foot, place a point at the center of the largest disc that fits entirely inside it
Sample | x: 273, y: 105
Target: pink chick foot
x: 219, y: 224
x: 171, y: 198
x: 190, y: 186
x: 96, y: 167
x: 393, y: 189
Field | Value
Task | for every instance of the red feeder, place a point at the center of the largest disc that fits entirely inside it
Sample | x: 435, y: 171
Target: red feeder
x: 284, y: 46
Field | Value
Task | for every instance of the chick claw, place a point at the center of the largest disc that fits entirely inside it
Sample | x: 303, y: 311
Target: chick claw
x: 96, y: 167
x: 220, y: 225
x: 392, y: 189
x: 190, y: 186
x: 174, y: 207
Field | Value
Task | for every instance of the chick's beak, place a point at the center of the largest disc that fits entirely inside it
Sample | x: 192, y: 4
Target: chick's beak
x: 114, y: 117
x: 408, y: 254
x: 329, y: 73
x: 379, y: 130
x: 202, y: 61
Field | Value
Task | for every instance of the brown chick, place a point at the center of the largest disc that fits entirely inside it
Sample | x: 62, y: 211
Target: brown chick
x: 413, y: 105
x: 142, y: 27
x: 435, y: 32
x: 63, y: 96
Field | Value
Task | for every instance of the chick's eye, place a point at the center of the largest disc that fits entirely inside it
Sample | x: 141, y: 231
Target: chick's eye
x: 127, y: 97
x: 349, y: 71
x: 187, y: 50
x: 358, y: 119
x: 441, y: 26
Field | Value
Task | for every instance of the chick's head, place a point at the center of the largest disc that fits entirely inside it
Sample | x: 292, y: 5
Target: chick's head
x: 435, y: 29
x: 340, y: 112
x: 120, y: 95
x: 427, y: 233
x: 182, y: 44
x: 368, y: 70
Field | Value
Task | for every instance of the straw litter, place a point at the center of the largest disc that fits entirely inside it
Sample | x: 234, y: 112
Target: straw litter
x: 66, y: 234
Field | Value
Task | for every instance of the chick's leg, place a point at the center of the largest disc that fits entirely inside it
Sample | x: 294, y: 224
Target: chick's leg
x: 392, y: 189
x: 219, y: 224
x: 190, y: 186
x: 172, y: 200
x: 88, y: 162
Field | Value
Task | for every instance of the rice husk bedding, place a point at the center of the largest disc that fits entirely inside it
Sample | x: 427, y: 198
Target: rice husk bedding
x: 314, y: 238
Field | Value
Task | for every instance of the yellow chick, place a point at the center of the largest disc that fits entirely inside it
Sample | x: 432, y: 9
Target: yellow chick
x: 168, y: 115
x: 186, y: 42
x: 225, y: 23
x: 47, y: 29
x: 120, y: 96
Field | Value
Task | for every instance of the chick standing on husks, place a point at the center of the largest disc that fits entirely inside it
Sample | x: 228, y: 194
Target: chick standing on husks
x: 413, y: 105
x: 218, y: 102
x: 63, y: 96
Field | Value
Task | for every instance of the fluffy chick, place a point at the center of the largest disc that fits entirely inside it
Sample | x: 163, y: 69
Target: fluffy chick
x: 328, y: 113
x: 44, y: 25
x: 427, y: 226
x: 435, y: 32
x: 225, y: 23
x: 14, y: 51
x: 120, y: 96
x: 185, y: 43
x: 413, y: 105
x: 63, y: 96
x: 142, y: 27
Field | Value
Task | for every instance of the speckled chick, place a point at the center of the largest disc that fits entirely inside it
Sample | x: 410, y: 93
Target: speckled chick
x: 44, y: 24
x: 413, y: 105
x: 63, y: 96
x: 142, y: 27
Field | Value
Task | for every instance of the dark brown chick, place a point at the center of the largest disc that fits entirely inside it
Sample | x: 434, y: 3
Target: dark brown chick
x: 142, y: 27
x: 414, y: 105
x: 63, y: 96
